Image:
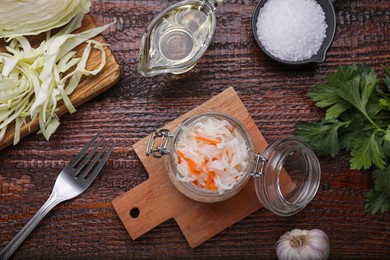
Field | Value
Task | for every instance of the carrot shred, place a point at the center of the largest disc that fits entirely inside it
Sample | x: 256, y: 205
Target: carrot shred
x: 207, y: 140
x: 180, y: 154
x: 231, y: 129
x: 204, y: 163
x: 210, y: 181
x: 191, y: 164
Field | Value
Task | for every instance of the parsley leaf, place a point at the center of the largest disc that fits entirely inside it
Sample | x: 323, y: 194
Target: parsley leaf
x: 322, y: 136
x: 386, y: 137
x: 366, y: 151
x: 378, y: 199
x: 357, y: 90
x: 325, y: 95
x: 384, y: 103
x: 387, y: 76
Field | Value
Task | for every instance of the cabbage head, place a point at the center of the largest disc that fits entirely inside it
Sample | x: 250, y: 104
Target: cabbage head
x: 31, y: 17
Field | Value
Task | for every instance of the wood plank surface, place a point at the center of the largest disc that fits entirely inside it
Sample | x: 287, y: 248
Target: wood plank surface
x: 274, y: 94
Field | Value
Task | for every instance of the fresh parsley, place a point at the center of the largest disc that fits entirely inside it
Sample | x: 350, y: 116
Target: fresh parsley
x: 378, y: 199
x: 357, y: 119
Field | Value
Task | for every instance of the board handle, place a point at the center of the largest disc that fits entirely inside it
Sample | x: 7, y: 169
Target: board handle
x: 143, y: 208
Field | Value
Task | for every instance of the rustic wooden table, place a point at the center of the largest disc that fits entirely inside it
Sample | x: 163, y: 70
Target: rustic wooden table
x: 88, y: 226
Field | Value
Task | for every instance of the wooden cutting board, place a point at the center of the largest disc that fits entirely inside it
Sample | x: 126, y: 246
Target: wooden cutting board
x: 157, y: 200
x: 88, y: 87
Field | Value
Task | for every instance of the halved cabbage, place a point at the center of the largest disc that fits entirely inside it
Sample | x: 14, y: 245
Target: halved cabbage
x: 31, y: 17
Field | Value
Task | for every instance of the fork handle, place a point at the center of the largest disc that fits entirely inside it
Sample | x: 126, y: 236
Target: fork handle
x: 26, y: 230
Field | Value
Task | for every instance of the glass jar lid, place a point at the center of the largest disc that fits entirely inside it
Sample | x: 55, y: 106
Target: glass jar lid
x: 291, y: 177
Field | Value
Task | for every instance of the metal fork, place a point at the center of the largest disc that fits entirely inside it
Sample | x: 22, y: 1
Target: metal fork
x: 73, y: 180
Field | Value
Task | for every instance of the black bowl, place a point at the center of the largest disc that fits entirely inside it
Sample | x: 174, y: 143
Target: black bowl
x: 320, y: 56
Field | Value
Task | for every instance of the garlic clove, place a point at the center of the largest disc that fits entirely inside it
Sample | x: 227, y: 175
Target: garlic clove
x: 303, y: 244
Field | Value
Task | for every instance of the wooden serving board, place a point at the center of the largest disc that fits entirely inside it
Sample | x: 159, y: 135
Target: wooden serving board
x: 88, y: 87
x: 157, y: 200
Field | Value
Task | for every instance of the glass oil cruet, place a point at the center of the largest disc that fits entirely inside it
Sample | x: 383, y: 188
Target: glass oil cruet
x: 177, y: 37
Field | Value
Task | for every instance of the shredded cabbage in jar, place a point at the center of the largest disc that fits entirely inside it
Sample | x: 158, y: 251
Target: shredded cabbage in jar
x: 211, y: 154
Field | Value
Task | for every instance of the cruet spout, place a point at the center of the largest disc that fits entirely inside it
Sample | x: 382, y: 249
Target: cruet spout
x: 177, y: 38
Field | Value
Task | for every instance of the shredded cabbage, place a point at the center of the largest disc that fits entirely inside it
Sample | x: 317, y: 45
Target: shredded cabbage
x: 211, y: 154
x: 31, y: 17
x: 32, y: 81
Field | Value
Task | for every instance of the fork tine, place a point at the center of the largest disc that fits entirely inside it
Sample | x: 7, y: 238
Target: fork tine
x: 93, y: 175
x: 87, y: 158
x: 77, y: 157
x: 100, y: 165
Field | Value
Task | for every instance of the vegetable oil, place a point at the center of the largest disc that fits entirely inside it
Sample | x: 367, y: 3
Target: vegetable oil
x: 177, y: 38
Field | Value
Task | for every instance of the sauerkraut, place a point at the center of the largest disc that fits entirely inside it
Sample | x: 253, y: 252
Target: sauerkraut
x: 211, y: 154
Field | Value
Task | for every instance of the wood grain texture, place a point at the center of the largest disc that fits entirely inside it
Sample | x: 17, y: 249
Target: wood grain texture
x: 274, y: 94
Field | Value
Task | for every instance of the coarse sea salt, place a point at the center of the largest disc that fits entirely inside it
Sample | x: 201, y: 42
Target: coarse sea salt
x: 291, y: 30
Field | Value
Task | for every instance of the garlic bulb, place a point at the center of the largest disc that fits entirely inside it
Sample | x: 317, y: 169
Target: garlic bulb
x: 303, y: 244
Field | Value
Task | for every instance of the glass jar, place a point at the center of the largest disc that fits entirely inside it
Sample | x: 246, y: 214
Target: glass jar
x: 287, y: 173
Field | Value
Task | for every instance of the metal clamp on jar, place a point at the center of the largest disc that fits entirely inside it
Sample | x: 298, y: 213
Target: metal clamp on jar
x: 287, y: 173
